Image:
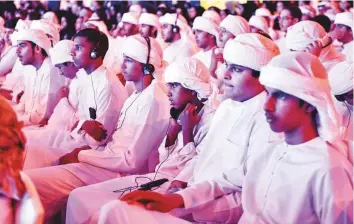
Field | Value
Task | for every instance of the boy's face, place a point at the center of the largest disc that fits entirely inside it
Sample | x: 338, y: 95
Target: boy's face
x: 67, y: 69
x: 167, y: 33
x: 178, y: 95
x: 238, y: 80
x: 145, y: 30
x: 81, y: 52
x: 202, y: 38
x: 224, y: 36
x: 283, y: 111
x: 131, y: 69
x: 25, y: 52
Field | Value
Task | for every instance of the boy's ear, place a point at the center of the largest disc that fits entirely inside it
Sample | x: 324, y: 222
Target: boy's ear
x: 37, y: 49
x: 309, y: 108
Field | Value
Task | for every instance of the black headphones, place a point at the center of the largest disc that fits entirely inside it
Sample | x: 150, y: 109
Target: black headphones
x: 175, y: 28
x: 94, y: 52
x: 148, y: 68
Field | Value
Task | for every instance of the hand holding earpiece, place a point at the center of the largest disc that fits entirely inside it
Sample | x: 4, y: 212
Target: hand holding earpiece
x: 189, y: 118
x: 63, y: 92
x: 314, y: 48
x: 172, y: 132
x: 216, y: 57
x: 95, y: 129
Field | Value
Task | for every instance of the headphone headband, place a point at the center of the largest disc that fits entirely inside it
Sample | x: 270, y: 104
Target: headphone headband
x: 148, y: 68
x: 149, y: 49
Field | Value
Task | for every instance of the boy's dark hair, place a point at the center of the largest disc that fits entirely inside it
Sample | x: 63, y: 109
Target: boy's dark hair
x: 324, y: 21
x: 294, y: 11
x: 11, y: 24
x: 44, y: 53
x: 98, y: 39
x: 255, y: 73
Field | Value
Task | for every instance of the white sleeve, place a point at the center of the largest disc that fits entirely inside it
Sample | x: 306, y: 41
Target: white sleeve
x: 7, y: 62
x: 106, y: 114
x: 145, y: 137
x: 63, y: 113
x: 187, y: 172
x: 205, y: 192
x: 333, y: 196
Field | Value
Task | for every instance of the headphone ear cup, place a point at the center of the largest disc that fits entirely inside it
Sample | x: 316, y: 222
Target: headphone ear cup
x: 93, y: 54
x: 175, y: 29
x: 148, y: 69
x: 340, y: 98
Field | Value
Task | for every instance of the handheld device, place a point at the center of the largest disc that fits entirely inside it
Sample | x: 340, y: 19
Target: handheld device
x: 149, y: 185
x: 92, y: 113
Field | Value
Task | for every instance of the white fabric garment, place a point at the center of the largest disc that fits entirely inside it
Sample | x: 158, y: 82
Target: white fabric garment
x: 179, y: 48
x: 140, y: 130
x: 206, y: 24
x: 191, y: 74
x: 235, y: 25
x: 348, y: 50
x: 48, y: 28
x: 15, y: 80
x: 324, y: 194
x: 61, y: 52
x: 36, y: 36
x: 303, y: 33
x: 100, y: 90
x: 345, y: 18
x: 172, y: 160
x: 120, y: 212
x: 281, y: 42
x: 130, y: 17
x: 205, y: 57
x: 302, y: 75
x: 260, y: 23
x: 7, y: 61
x: 341, y: 77
x: 136, y: 47
x: 40, y: 88
x: 341, y: 81
x: 237, y: 131
x: 28, y: 209
x: 185, y: 30
x: 250, y: 45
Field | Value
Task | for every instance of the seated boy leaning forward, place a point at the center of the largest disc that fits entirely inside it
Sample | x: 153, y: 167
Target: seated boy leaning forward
x: 304, y: 179
x: 138, y: 133
x: 100, y: 98
x: 188, y: 91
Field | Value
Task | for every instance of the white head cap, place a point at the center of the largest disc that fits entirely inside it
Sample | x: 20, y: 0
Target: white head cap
x: 341, y: 77
x: 213, y: 16
x: 345, y: 18
x: 130, y: 17
x: 263, y: 12
x: 303, y: 33
x: 47, y: 28
x: 235, y: 25
x: 259, y: 22
x: 191, y: 74
x: 20, y: 25
x: 256, y: 50
x: 302, y: 75
x: 36, y: 36
x: 150, y: 19
x: 136, y: 48
x: 61, y: 52
x: 136, y: 8
x: 308, y: 10
x: 2, y: 21
x: 206, y: 25
x: 101, y: 26
x: 51, y: 17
